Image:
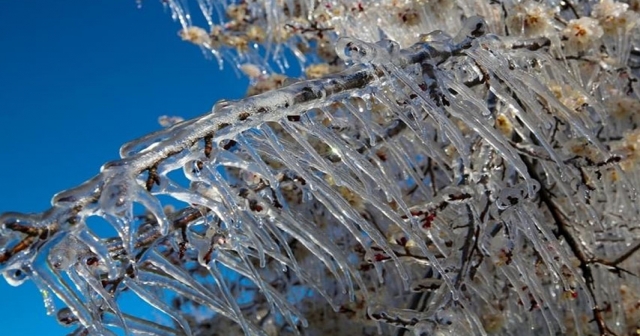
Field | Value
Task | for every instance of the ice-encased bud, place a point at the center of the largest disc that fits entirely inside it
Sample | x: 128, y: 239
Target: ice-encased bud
x: 356, y: 51
x: 12, y: 219
x: 446, y: 317
x: 168, y: 121
x: 8, y: 240
x: 424, y: 328
x: 63, y: 257
x: 510, y: 196
x: 391, y: 47
x: 15, y: 277
x: 221, y: 108
x: 473, y: 27
x: 435, y: 36
x: 439, y: 40
x: 251, y: 179
x: 114, y: 198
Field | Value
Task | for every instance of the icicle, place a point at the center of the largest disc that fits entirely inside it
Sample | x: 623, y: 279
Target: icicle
x: 304, y: 164
x: 436, y: 112
x: 153, y: 205
x: 139, y: 326
x: 529, y: 123
x: 237, y: 209
x: 467, y: 102
x: 273, y: 296
x: 47, y: 297
x: 342, y: 205
x: 115, y: 204
x: 89, y: 279
x: 317, y: 239
x: 157, y: 303
x: 539, y: 295
x: 179, y: 13
x: 248, y: 328
x: 206, y: 7
x: 517, y: 80
x: 275, y: 299
x: 165, y: 265
x: 371, y: 130
x: 211, y: 301
x: 97, y: 246
x: 47, y: 275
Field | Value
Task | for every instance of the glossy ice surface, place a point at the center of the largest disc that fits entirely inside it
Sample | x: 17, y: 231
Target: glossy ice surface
x: 432, y: 175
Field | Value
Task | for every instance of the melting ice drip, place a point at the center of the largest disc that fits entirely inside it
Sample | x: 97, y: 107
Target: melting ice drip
x: 424, y: 189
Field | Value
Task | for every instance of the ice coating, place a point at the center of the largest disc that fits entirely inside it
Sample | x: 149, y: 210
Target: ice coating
x: 414, y: 188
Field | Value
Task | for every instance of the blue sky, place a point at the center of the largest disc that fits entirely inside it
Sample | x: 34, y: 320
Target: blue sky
x: 77, y: 79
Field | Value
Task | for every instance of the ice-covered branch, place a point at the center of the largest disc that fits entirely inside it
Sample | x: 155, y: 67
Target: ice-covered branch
x: 475, y: 183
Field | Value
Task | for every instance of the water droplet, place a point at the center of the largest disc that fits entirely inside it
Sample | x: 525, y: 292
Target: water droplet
x: 66, y: 317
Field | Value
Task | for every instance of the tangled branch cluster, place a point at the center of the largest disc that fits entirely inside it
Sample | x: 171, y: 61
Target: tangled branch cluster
x: 445, y: 168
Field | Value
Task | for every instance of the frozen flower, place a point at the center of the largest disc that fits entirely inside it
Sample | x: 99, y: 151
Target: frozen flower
x: 568, y: 96
x: 492, y: 322
x: 166, y: 121
x: 251, y: 70
x: 623, y: 107
x: 582, y: 148
x: 410, y: 16
x: 256, y: 33
x: 238, y: 13
x: 240, y: 42
x: 531, y: 19
x: 266, y: 83
x: 629, y: 147
x: 608, y: 9
x: 195, y: 35
x: 631, y: 306
x: 582, y: 33
x: 504, y: 125
x: 614, y: 16
x: 319, y: 70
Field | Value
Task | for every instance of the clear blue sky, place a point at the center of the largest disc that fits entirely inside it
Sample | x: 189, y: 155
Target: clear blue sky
x: 77, y: 79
